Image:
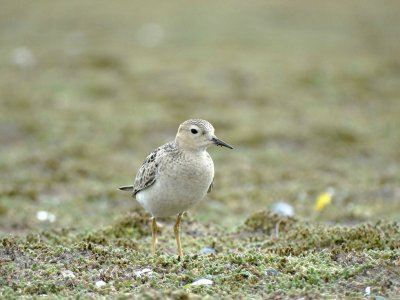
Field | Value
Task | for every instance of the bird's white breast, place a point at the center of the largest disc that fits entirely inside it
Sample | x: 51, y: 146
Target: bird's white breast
x: 181, y: 182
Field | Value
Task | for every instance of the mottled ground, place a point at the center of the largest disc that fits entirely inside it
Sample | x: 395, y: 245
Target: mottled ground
x: 307, y: 92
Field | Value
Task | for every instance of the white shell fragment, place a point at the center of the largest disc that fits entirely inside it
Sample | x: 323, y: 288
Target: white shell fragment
x: 67, y: 274
x: 23, y: 58
x: 143, y: 272
x: 45, y: 216
x: 207, y: 251
x: 202, y: 281
x: 283, y: 209
x: 367, y: 291
x: 100, y: 283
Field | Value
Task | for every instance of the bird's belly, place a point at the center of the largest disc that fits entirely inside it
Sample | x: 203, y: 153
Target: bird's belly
x: 175, y: 193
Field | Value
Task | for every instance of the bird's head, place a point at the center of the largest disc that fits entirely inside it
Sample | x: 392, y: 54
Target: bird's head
x: 197, y: 135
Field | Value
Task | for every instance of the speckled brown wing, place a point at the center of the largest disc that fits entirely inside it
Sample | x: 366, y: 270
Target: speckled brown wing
x: 146, y: 175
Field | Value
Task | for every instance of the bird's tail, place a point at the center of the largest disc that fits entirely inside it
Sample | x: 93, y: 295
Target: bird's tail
x: 127, y: 188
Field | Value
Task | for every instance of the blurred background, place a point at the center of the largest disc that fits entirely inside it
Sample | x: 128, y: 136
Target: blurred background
x: 307, y: 92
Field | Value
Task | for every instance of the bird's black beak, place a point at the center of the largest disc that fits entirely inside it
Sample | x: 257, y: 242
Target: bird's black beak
x: 218, y: 142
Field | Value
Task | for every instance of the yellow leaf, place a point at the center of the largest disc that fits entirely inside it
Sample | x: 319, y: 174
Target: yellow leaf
x: 323, y: 200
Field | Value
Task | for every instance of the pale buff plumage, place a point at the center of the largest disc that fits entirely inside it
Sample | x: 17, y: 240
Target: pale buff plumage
x: 177, y: 175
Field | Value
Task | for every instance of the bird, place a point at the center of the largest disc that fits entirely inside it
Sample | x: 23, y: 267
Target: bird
x: 176, y: 176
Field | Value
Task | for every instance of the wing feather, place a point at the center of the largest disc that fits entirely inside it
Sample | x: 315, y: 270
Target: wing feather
x: 146, y: 175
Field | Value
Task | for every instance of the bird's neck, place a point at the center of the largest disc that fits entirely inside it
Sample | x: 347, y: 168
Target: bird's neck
x: 191, y: 150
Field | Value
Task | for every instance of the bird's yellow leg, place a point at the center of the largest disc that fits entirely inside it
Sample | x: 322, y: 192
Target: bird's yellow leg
x: 153, y: 235
x: 177, y: 231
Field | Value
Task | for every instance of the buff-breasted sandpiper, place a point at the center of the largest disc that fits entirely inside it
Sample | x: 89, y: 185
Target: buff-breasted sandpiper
x: 176, y: 175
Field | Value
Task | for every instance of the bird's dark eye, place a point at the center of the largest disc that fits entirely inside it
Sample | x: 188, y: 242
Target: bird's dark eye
x: 194, y: 131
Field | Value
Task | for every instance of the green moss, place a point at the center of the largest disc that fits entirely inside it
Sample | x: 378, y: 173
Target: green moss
x: 268, y: 222
x: 304, y: 259
x: 307, y: 104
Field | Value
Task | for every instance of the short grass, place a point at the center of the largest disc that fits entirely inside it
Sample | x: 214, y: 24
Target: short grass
x: 308, y: 93
x: 252, y: 261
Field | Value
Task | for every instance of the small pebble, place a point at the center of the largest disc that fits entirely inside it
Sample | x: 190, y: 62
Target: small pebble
x: 100, y: 283
x: 23, y: 58
x: 67, y: 274
x: 145, y: 271
x: 45, y: 216
x: 207, y: 251
x: 271, y: 272
x: 202, y: 281
x: 283, y: 209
